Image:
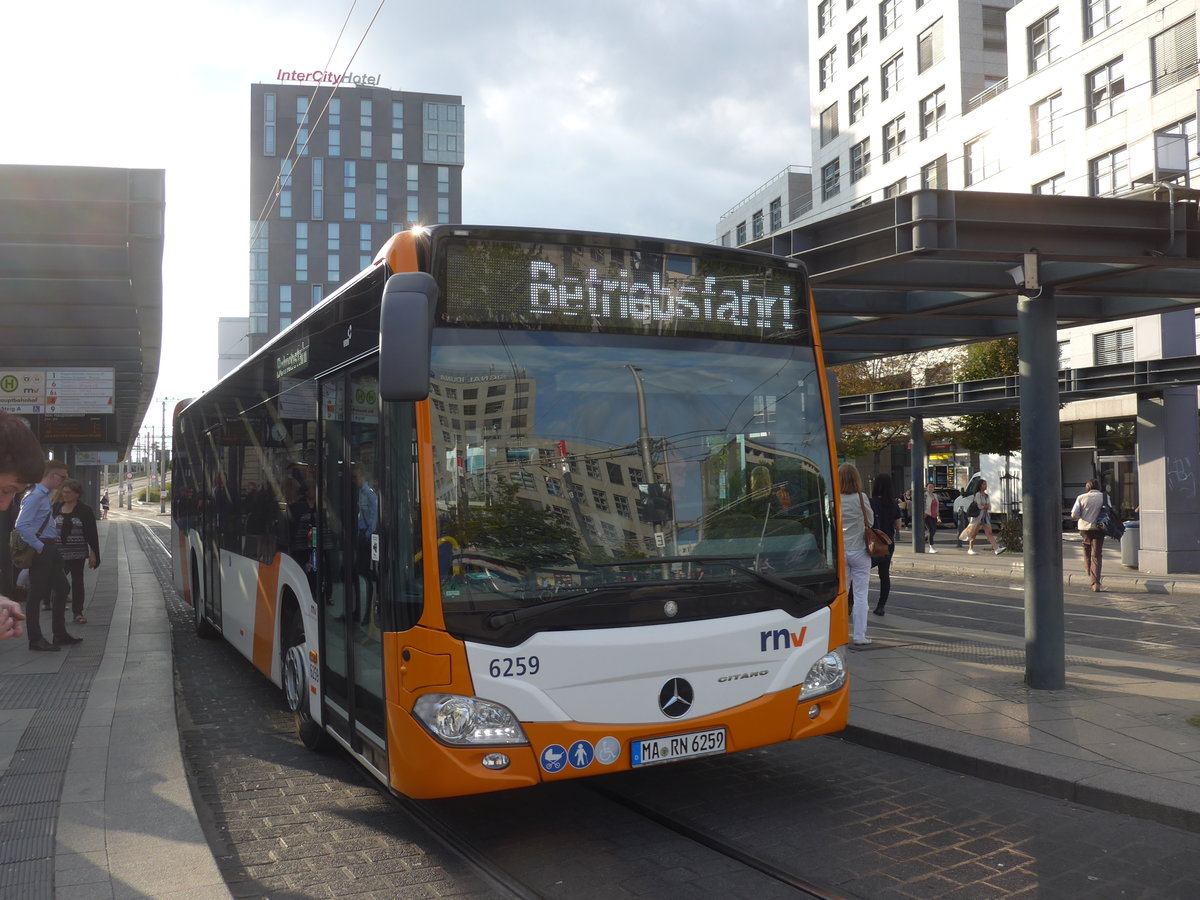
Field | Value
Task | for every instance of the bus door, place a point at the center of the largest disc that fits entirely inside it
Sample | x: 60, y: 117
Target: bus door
x: 218, y: 522
x: 349, y: 543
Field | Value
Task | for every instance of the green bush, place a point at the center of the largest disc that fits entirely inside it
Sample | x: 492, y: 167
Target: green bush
x: 1010, y: 534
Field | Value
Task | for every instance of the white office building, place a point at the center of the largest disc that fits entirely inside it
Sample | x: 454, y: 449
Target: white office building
x: 1091, y: 98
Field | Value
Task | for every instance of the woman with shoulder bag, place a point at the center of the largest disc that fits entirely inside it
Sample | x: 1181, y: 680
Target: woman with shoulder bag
x: 76, y: 525
x: 982, y: 521
x: 854, y: 546
x: 1087, y: 510
x: 886, y: 513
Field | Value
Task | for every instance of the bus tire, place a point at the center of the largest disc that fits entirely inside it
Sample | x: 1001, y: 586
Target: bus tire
x: 204, y: 628
x: 295, y: 684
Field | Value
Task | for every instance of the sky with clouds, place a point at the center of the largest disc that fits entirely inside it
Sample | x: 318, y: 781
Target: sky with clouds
x: 640, y: 116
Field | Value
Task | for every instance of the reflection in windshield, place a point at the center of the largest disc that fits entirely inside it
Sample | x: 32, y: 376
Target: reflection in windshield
x: 559, y: 455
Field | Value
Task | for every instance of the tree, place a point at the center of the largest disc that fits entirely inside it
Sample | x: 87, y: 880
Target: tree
x: 871, y: 376
x: 515, y: 530
x: 998, y: 431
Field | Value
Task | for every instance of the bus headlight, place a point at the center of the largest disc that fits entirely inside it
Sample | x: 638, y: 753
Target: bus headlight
x: 827, y: 675
x: 463, y: 721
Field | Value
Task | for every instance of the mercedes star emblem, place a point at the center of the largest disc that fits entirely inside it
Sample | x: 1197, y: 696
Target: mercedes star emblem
x: 675, y: 698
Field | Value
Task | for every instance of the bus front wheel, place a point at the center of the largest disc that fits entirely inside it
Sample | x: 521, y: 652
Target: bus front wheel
x: 295, y: 684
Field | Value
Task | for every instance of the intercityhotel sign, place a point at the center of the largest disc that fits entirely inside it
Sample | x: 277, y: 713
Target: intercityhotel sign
x: 319, y: 77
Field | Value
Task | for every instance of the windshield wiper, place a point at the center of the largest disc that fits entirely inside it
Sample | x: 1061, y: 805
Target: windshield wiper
x: 500, y: 619
x: 796, y: 590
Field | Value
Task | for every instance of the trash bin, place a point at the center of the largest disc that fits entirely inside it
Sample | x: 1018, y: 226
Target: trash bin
x: 1130, y: 544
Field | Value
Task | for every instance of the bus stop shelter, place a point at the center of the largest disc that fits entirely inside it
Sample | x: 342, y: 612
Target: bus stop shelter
x: 81, y: 297
x: 935, y: 269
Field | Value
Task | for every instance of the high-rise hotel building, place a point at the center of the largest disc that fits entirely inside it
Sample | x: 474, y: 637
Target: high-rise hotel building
x: 333, y: 174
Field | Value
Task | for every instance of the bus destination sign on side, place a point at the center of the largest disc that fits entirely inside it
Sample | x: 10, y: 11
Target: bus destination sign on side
x: 293, y: 358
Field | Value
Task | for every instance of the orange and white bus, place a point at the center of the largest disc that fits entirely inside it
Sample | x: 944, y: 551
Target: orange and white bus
x: 516, y: 505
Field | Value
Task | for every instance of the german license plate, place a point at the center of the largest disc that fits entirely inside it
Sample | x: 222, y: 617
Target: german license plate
x: 652, y: 751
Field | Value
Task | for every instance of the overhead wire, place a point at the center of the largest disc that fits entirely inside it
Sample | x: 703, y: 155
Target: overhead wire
x: 288, y: 161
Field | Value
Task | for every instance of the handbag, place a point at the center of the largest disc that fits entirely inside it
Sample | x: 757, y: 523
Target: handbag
x: 878, y: 544
x: 20, y: 552
x: 972, y: 510
x: 1109, y: 522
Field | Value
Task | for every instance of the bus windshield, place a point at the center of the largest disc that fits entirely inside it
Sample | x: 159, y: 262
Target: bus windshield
x: 621, y: 479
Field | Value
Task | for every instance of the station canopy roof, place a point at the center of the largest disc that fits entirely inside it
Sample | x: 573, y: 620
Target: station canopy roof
x: 81, y: 283
x: 935, y: 269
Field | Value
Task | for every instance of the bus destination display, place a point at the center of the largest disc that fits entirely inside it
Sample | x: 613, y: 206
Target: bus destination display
x: 573, y: 287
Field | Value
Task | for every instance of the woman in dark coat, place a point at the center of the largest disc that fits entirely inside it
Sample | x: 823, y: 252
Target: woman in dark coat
x: 887, y: 519
x: 78, y: 541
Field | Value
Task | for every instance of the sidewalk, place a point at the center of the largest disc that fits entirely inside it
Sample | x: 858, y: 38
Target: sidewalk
x: 94, y: 801
x: 1124, y: 735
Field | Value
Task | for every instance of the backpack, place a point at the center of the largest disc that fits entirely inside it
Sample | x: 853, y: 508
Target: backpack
x: 1109, y: 522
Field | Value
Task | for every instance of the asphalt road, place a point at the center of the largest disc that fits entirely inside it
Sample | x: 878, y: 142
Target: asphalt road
x: 285, y: 822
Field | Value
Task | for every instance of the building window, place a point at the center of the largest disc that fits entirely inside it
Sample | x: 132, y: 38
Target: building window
x: 443, y: 179
x: 381, y: 208
x: 1173, y: 54
x: 285, y: 203
x: 1100, y: 15
x: 893, y: 138
x: 1064, y: 354
x: 381, y: 176
x: 858, y: 101
x: 776, y: 214
x: 364, y: 113
x: 335, y: 142
x: 741, y: 233
x: 828, y: 68
x: 933, y: 175
x: 364, y: 143
x: 1043, y: 42
x: 318, y: 188
x: 895, y: 189
x: 412, y: 180
x: 865, y: 201
x: 365, y: 242
x: 301, y: 235
x: 829, y: 123
x: 1113, y: 347
x: 1045, y: 120
x: 756, y: 224
x: 599, y: 500
x: 302, y: 267
x: 443, y: 126
x: 1187, y: 128
x: 412, y: 209
x: 334, y: 264
x: 1106, y: 91
x: 860, y: 160
x: 1109, y: 173
x: 995, y: 33
x: 831, y: 179
x: 1055, y: 184
x: 349, y: 205
x: 889, y: 17
x: 856, y: 43
x: 933, y: 110
x: 349, y: 174
x: 890, y: 76
x: 980, y: 160
x: 268, y: 124
x: 825, y: 15
x: 333, y: 236
x: 285, y: 299
x: 929, y: 47
x: 397, y: 145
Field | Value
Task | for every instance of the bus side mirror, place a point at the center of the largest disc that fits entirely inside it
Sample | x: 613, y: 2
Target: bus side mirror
x: 406, y: 335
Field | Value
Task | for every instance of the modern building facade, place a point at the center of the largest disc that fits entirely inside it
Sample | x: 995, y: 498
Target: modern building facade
x: 334, y: 172
x: 1094, y: 98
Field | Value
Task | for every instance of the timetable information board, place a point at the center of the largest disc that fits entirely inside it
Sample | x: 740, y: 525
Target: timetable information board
x: 82, y: 391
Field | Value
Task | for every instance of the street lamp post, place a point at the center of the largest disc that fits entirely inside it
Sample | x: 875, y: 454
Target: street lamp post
x: 162, y: 464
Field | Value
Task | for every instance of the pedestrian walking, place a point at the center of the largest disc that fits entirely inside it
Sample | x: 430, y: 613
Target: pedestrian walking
x: 78, y: 540
x: 932, y: 506
x: 854, y: 549
x: 1087, y: 510
x: 886, y: 512
x: 982, y: 520
x: 105, y: 503
x: 47, y: 581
